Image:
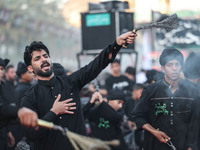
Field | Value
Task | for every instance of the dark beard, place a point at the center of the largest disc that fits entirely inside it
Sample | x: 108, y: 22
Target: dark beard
x: 44, y: 74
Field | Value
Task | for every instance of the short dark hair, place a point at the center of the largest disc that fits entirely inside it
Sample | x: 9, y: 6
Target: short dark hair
x: 169, y: 54
x: 116, y: 61
x: 34, y: 46
x: 8, y: 67
x: 130, y: 70
x: 138, y: 86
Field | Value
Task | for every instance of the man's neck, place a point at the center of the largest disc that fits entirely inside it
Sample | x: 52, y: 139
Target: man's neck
x: 173, y: 84
x: 45, y: 78
x: 23, y: 80
x: 116, y: 74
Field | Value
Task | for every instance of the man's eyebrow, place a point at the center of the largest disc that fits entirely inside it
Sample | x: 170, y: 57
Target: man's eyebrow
x: 36, y: 57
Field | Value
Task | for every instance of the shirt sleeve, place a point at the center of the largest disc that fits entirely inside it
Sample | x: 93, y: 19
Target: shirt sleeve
x: 140, y: 112
x: 86, y: 109
x: 8, y: 111
x: 29, y: 101
x: 90, y: 71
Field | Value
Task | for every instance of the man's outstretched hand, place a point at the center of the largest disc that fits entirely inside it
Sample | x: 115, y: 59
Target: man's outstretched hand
x: 128, y: 37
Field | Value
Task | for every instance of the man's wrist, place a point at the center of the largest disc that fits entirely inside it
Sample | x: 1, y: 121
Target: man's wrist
x: 54, y: 111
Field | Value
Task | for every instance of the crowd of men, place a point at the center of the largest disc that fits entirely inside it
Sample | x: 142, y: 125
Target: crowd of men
x: 159, y: 114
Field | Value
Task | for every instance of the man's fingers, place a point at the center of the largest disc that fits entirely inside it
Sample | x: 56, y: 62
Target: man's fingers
x: 34, y: 122
x: 162, y: 140
x: 67, y: 101
x: 70, y: 104
x: 71, y: 108
x: 58, y: 98
x: 69, y: 112
x: 165, y: 136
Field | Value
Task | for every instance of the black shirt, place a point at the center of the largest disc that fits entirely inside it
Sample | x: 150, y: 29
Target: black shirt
x: 20, y: 90
x: 121, y: 82
x: 7, y: 110
x: 173, y: 113
x: 129, y: 106
x: 41, y: 97
x: 10, y: 86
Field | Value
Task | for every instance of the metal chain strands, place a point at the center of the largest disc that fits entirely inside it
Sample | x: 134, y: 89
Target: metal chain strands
x: 169, y: 23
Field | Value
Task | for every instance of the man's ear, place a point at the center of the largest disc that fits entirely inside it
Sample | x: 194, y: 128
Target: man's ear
x: 163, y: 68
x: 30, y: 68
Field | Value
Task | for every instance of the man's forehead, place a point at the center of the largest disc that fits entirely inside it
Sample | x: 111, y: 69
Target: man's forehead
x: 173, y: 61
x: 38, y: 52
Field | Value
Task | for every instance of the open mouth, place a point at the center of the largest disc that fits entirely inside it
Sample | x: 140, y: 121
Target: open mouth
x: 45, y: 65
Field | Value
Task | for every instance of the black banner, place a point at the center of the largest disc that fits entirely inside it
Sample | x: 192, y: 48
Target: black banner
x: 186, y: 36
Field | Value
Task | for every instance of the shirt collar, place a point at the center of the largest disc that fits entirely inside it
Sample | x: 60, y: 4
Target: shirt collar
x: 50, y: 82
x: 168, y: 85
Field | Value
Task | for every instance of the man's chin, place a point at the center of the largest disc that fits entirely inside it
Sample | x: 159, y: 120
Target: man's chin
x: 175, y: 79
x: 45, y: 74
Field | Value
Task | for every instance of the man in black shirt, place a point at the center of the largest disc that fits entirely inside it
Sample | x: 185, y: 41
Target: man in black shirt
x: 51, y: 96
x: 25, y: 79
x: 167, y: 109
x: 116, y: 80
x: 10, y: 80
x: 10, y: 112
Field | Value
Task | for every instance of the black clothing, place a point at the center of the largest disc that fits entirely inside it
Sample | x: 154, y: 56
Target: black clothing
x: 121, y: 82
x: 41, y: 97
x: 20, y: 90
x: 129, y: 106
x: 107, y: 123
x: 173, y: 113
x: 10, y: 87
x: 18, y: 130
x: 7, y: 110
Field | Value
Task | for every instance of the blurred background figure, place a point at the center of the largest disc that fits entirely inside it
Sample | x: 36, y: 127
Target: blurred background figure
x: 25, y: 79
x: 191, y: 68
x: 117, y: 80
x: 133, y: 137
x: 10, y: 81
x: 154, y: 76
x: 106, y: 116
x: 130, y: 73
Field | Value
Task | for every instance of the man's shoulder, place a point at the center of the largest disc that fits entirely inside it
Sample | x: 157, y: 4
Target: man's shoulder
x: 153, y: 85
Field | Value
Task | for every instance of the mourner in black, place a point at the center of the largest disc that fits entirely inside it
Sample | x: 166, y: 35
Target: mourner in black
x: 133, y: 100
x: 107, y: 117
x: 56, y: 98
x: 10, y: 112
x: 25, y: 79
x: 191, y: 68
x: 116, y: 80
x: 10, y: 81
x: 167, y: 108
x: 191, y: 72
x: 130, y: 73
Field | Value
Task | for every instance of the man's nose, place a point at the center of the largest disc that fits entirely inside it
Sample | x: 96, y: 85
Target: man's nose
x: 44, y: 59
x: 174, y: 67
